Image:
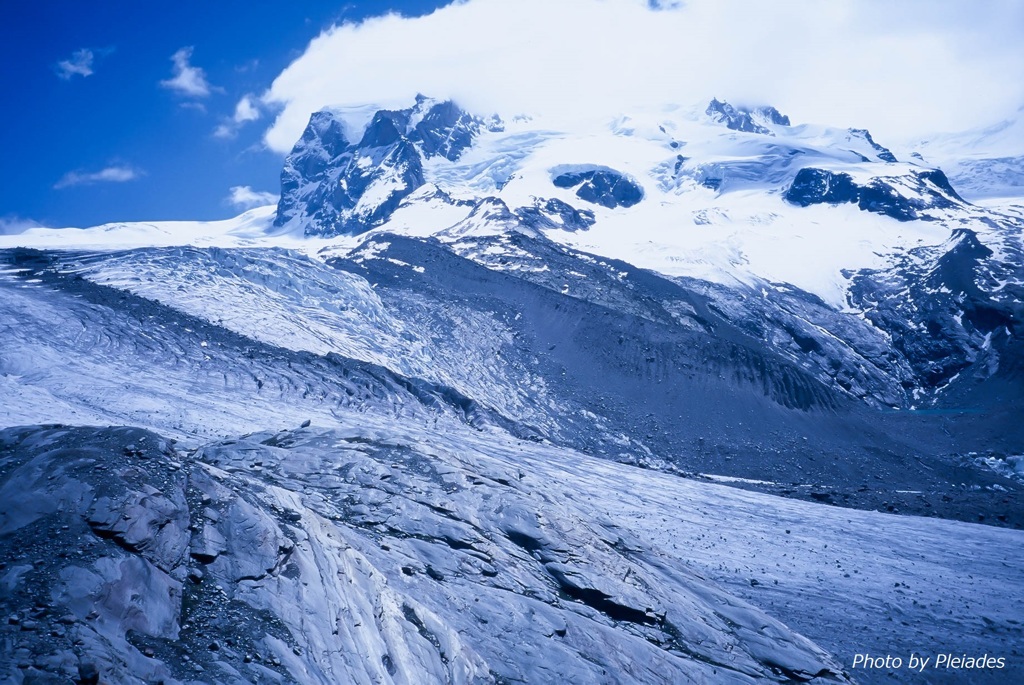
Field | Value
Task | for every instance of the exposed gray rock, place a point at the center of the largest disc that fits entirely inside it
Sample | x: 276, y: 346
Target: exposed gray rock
x: 348, y: 558
x: 337, y: 181
x: 744, y: 119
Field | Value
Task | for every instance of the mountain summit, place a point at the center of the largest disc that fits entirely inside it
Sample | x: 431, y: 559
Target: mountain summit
x: 333, y: 186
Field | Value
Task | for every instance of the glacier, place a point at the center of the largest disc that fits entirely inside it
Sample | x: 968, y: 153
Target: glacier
x: 693, y: 395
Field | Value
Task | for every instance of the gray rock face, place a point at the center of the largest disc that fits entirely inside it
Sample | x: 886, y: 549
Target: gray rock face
x: 97, y: 523
x: 334, y: 186
x: 383, y: 165
x: 145, y: 522
x: 361, y: 555
x: 341, y: 557
x: 746, y: 120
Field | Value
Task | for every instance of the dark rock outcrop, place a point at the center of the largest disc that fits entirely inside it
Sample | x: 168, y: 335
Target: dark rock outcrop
x: 939, y: 319
x: 605, y: 187
x: 553, y: 213
x: 928, y: 190
x: 815, y: 186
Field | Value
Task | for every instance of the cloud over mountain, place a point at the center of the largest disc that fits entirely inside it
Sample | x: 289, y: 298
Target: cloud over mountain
x: 913, y: 67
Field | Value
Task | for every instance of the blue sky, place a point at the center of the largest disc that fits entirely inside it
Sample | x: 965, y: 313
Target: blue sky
x: 90, y: 137
x: 121, y: 110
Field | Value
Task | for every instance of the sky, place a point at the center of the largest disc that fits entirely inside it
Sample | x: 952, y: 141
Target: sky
x: 118, y: 110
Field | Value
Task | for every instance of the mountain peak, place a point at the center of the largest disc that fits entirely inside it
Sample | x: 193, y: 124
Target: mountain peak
x: 755, y: 120
x: 333, y: 186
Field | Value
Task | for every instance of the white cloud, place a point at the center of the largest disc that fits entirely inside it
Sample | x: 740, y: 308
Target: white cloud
x: 187, y: 80
x: 79, y: 64
x: 12, y: 225
x: 111, y: 174
x: 244, y: 197
x: 896, y: 68
x: 246, y: 110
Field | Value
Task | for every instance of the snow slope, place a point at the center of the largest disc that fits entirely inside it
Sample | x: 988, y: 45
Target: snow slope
x: 247, y: 228
x: 986, y: 164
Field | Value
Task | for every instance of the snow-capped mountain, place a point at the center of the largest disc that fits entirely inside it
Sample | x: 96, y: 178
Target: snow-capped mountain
x: 331, y: 185
x: 730, y: 196
x: 544, y: 369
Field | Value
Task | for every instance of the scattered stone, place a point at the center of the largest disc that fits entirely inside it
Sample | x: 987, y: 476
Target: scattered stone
x: 88, y: 674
